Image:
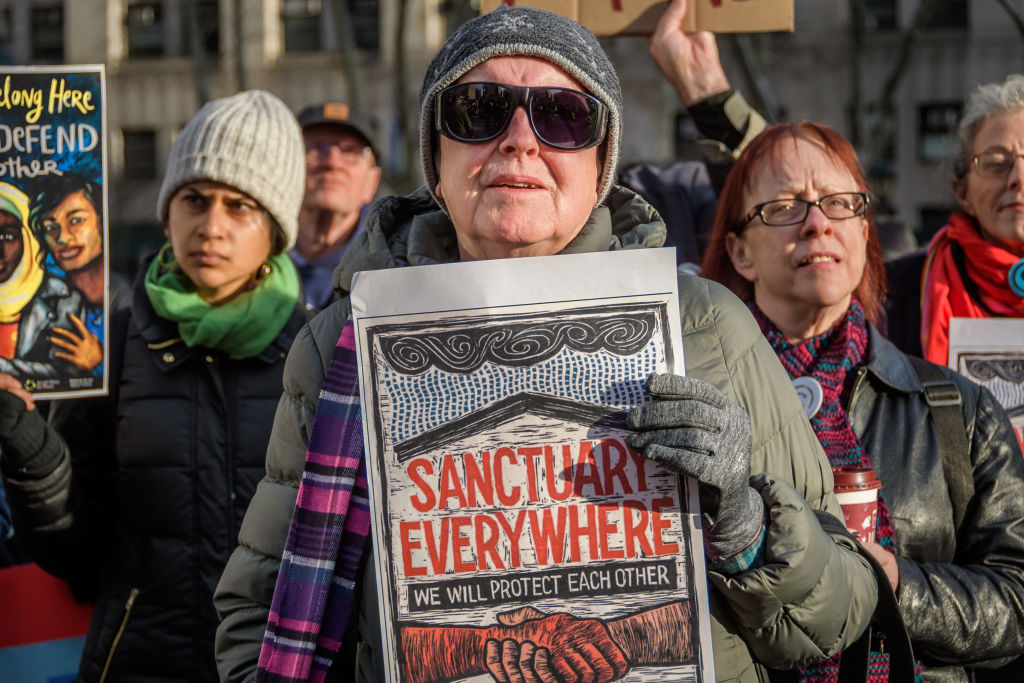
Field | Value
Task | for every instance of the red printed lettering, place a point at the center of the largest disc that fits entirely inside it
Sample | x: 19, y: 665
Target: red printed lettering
x: 634, y: 518
x: 510, y: 497
x: 460, y: 542
x: 578, y: 531
x: 449, y: 486
x: 478, y: 477
x: 608, y: 528
x: 586, y: 472
x: 487, y: 535
x: 513, y: 534
x: 565, y: 473
x: 437, y: 545
x: 405, y: 530
x: 531, y: 470
x: 660, y: 524
x: 548, y: 535
x: 428, y: 500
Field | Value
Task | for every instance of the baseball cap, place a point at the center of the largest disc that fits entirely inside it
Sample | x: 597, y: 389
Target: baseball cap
x: 338, y: 114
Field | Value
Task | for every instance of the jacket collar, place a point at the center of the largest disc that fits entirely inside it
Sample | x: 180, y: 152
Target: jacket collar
x: 412, y: 230
x: 890, y: 365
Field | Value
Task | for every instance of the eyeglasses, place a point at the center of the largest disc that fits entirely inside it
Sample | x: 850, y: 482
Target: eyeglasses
x: 350, y: 153
x: 838, y: 206
x: 561, y: 118
x: 996, y: 163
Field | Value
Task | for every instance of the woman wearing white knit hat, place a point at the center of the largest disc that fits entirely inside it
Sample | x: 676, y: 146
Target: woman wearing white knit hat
x: 136, y: 498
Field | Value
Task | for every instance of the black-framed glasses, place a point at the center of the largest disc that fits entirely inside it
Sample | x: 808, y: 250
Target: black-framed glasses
x: 995, y: 163
x: 837, y: 206
x: 561, y: 118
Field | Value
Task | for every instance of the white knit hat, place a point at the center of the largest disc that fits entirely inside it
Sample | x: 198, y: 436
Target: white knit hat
x: 250, y: 141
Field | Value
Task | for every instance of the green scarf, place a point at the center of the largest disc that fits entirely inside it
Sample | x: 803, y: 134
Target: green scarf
x: 242, y: 327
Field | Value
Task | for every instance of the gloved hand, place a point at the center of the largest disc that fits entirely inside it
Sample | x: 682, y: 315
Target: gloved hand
x: 22, y: 429
x: 692, y: 428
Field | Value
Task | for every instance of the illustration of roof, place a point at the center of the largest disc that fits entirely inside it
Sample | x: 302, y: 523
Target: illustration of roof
x: 506, y: 410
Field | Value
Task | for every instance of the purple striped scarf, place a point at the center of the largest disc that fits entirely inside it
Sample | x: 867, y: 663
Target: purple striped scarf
x: 328, y: 535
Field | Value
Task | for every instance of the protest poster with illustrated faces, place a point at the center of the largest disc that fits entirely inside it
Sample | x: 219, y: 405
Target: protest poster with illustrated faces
x: 53, y: 229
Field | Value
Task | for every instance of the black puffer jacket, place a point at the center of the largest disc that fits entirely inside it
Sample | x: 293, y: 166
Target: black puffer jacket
x: 146, y: 510
x: 962, y: 598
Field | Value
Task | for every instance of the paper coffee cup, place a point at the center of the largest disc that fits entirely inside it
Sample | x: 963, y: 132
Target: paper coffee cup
x: 857, y: 491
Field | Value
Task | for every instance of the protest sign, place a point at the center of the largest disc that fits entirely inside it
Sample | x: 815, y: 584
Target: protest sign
x: 640, y: 17
x: 53, y: 208
x: 990, y: 352
x: 506, y: 503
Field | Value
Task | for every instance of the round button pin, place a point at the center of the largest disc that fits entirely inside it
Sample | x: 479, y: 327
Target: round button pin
x: 1016, y: 277
x: 809, y: 391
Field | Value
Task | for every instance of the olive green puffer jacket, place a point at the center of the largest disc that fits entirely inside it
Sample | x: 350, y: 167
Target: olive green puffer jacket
x: 812, y: 596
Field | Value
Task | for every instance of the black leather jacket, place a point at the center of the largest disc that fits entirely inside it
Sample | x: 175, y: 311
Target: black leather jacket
x: 962, y: 598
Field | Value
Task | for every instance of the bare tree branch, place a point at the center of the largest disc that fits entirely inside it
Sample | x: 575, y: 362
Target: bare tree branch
x: 347, y: 49
x: 1018, y: 21
x: 761, y: 88
x: 881, y: 134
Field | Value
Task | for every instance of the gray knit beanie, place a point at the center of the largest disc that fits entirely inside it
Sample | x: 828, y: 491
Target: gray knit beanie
x: 250, y: 141
x: 523, y: 31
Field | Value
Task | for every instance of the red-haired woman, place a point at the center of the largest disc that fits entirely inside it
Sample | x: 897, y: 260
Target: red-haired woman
x: 793, y: 237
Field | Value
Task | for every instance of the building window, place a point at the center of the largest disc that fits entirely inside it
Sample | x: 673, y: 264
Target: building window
x: 139, y: 154
x: 207, y: 28
x: 949, y: 14
x: 365, y: 16
x: 47, y: 34
x: 880, y: 15
x: 145, y: 28
x: 301, y: 20
x: 936, y: 131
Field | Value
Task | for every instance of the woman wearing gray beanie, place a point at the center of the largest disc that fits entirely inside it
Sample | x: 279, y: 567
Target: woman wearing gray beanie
x: 136, y: 498
x: 520, y: 125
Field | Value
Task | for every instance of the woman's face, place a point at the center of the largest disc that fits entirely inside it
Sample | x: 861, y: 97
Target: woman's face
x: 12, y: 244
x: 220, y: 237
x: 514, y: 196
x: 997, y: 203
x: 73, y: 232
x: 806, y: 271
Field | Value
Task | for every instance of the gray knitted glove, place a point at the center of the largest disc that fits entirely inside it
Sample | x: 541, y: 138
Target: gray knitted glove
x: 23, y: 438
x: 692, y: 428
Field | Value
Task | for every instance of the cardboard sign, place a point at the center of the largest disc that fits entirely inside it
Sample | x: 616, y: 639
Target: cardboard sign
x: 640, y: 17
x: 507, y: 505
x: 53, y: 213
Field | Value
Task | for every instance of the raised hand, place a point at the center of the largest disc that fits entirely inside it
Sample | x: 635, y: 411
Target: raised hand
x: 689, y: 61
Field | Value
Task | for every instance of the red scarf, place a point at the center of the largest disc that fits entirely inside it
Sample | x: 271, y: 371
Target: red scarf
x: 943, y: 293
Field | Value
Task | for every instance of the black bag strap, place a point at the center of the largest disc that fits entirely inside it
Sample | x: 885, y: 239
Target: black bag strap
x: 944, y: 399
x: 853, y: 667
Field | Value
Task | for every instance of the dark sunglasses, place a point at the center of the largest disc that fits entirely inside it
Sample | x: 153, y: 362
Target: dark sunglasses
x: 561, y: 118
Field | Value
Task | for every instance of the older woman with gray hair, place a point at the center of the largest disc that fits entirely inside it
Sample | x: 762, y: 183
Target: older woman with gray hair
x: 975, y: 264
x: 520, y: 130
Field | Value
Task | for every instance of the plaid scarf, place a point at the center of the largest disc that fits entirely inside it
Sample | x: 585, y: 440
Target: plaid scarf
x: 832, y: 359
x: 328, y: 536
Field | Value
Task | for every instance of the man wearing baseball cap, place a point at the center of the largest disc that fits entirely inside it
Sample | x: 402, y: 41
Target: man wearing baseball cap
x: 342, y: 177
